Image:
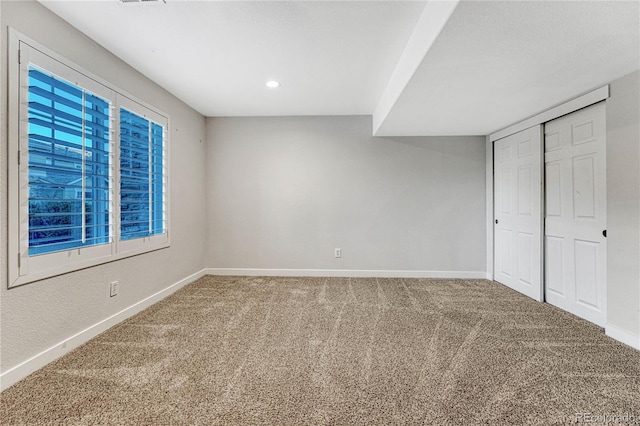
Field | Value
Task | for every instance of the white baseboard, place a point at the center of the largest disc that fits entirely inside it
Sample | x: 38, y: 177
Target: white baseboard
x: 352, y: 273
x: 623, y: 336
x: 22, y: 370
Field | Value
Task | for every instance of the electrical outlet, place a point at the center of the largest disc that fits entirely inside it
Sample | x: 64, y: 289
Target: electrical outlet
x: 113, y: 288
x: 337, y: 252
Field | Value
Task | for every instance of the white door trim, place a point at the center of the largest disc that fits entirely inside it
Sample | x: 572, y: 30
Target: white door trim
x: 489, y: 203
x: 565, y: 108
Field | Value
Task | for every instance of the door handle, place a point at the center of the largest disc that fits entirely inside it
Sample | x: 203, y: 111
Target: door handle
x: 604, y: 233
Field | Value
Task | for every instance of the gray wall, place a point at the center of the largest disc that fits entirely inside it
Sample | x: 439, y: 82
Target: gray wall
x: 36, y: 316
x: 623, y: 204
x: 283, y: 192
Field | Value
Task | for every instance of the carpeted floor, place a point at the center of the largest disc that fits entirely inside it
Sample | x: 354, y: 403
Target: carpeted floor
x: 246, y: 350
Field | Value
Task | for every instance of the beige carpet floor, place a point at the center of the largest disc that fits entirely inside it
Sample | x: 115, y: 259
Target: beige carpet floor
x: 246, y: 350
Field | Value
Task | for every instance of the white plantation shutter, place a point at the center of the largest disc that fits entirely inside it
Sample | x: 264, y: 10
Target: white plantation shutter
x: 142, y: 189
x: 89, y: 180
x: 69, y: 168
x: 142, y: 161
x: 65, y: 173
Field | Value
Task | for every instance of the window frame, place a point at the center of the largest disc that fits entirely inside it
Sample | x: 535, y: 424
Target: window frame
x: 22, y: 268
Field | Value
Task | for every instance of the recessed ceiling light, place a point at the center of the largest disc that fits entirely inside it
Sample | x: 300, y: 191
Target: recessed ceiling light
x: 272, y: 84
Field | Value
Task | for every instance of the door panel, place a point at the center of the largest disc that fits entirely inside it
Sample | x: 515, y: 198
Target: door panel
x: 524, y: 190
x: 525, y: 248
x: 505, y: 191
x: 518, y: 230
x: 575, y: 185
x: 553, y: 184
x: 554, y: 267
x: 586, y: 253
x: 584, y: 175
x: 505, y: 253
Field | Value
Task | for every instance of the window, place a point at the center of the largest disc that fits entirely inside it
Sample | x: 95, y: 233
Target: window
x: 89, y: 182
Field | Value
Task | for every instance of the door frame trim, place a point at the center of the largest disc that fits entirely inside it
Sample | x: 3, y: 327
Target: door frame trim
x: 564, y: 108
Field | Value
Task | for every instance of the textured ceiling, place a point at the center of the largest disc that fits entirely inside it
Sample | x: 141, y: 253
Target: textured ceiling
x: 494, y: 63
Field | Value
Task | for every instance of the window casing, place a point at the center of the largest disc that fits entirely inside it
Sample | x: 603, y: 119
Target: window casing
x: 89, y: 181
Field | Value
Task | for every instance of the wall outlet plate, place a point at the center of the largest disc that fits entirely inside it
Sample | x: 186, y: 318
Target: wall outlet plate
x: 337, y: 252
x: 113, y: 288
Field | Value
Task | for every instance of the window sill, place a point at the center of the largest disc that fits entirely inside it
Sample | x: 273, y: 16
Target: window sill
x: 79, y: 264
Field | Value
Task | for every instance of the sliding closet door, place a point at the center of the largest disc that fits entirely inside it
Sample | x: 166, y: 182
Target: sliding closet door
x: 575, y: 220
x: 518, y: 212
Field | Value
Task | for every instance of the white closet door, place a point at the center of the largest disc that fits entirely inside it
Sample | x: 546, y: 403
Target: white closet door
x: 575, y: 245
x: 518, y: 211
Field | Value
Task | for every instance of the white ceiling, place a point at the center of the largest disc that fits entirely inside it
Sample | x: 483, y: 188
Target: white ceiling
x: 493, y: 63
x: 498, y: 62
x: 332, y: 58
